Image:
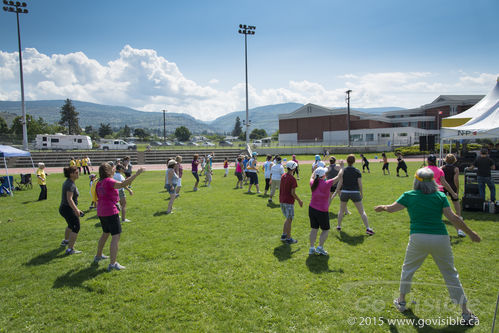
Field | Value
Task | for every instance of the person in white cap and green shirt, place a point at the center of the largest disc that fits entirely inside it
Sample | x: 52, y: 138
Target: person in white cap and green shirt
x: 252, y: 172
x: 287, y: 197
x: 318, y: 210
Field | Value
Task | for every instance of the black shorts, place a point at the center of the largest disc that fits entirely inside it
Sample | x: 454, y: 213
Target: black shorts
x: 128, y: 174
x: 333, y: 188
x: 72, y: 220
x: 253, y: 178
x: 318, y: 219
x: 385, y: 166
x: 110, y: 224
x: 239, y: 175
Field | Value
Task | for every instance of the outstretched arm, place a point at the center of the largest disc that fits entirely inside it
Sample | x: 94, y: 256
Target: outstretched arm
x: 458, y: 222
x: 394, y: 207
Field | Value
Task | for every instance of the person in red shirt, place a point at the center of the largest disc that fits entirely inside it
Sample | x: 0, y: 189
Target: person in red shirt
x: 287, y: 197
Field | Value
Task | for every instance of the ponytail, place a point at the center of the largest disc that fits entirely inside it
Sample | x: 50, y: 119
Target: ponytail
x: 316, y: 183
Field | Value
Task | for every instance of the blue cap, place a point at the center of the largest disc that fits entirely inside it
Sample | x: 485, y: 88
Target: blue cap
x: 317, y: 157
x: 255, y: 153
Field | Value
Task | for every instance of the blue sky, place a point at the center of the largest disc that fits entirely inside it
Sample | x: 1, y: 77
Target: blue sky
x: 187, y: 55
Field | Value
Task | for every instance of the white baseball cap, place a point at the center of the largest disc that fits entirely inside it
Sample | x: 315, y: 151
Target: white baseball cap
x: 291, y: 165
x: 320, y: 171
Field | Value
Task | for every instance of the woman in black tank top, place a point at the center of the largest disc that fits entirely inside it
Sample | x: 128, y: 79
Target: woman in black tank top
x: 451, y: 173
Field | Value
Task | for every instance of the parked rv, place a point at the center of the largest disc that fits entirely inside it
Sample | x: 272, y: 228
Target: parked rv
x: 116, y: 144
x: 62, y: 142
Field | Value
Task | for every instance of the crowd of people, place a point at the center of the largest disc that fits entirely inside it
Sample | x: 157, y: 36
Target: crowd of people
x: 426, y: 203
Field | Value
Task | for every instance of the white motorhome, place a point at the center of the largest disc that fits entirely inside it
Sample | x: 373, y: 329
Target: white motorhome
x: 60, y: 141
x: 116, y: 144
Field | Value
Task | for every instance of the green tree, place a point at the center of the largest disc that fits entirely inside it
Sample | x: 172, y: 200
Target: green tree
x: 33, y: 126
x: 3, y: 126
x: 258, y: 134
x: 69, y: 118
x: 105, y: 129
x: 141, y: 133
x: 275, y: 136
x: 182, y: 133
x: 127, y: 131
x: 238, y: 129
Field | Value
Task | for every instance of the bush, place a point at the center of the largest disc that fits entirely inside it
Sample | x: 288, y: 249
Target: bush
x: 414, y: 150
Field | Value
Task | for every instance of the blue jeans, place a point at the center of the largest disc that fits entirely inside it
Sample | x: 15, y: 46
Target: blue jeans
x: 481, y: 187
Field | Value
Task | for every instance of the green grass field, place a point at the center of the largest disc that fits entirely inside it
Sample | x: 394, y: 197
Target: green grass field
x: 217, y: 265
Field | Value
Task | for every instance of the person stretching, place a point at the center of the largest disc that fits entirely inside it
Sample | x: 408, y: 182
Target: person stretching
x: 351, y: 189
x: 69, y: 209
x: 318, y: 208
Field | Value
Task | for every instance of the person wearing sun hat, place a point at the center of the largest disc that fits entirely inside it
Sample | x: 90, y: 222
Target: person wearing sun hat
x: 287, y: 197
x: 318, y: 210
x: 428, y: 235
x: 317, y: 163
x: 171, y: 181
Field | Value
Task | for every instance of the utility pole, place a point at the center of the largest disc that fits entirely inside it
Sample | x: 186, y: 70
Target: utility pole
x: 246, y: 30
x: 164, y: 126
x: 348, y: 114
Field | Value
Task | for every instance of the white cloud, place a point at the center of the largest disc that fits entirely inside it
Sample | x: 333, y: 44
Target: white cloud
x: 141, y: 79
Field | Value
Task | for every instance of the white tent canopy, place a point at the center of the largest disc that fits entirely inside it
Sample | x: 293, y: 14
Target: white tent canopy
x: 8, y: 151
x: 479, y: 122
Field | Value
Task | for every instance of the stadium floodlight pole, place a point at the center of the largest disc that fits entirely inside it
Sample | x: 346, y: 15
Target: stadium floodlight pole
x: 164, y: 126
x: 246, y: 30
x: 348, y: 114
x: 17, y: 7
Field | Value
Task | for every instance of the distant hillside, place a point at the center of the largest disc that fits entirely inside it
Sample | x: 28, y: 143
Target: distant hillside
x: 8, y: 117
x: 118, y: 116
x: 261, y: 117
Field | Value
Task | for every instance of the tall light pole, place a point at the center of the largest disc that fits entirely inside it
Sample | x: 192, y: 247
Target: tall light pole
x: 246, y: 30
x: 17, y: 7
x: 348, y: 114
x: 164, y: 126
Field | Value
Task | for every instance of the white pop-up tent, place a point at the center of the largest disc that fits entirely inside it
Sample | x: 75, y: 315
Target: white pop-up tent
x: 478, y: 122
x: 8, y: 151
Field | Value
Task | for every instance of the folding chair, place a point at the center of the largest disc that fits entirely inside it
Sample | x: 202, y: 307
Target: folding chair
x: 4, y: 187
x: 25, y: 182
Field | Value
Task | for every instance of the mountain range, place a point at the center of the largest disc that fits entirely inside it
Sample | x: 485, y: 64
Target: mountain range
x: 91, y: 114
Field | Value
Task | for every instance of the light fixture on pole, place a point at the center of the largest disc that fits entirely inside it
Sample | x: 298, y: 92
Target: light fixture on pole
x: 17, y: 7
x: 246, y: 30
x: 348, y: 114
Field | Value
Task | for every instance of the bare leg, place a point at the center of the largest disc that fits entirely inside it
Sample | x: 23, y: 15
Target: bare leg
x: 362, y: 212
x: 72, y: 240
x: 102, y: 241
x: 114, y: 248
x: 123, y: 209
x: 66, y: 233
x: 341, y: 213
x: 170, y: 204
x: 287, y: 227
x: 323, y: 237
x: 313, y: 236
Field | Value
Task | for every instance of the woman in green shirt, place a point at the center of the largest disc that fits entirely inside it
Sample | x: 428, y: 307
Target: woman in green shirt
x: 425, y: 205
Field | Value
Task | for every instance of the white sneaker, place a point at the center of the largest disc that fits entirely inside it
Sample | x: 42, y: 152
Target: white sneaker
x: 319, y: 250
x: 126, y: 220
x: 72, y: 251
x: 461, y: 233
x: 115, y: 266
x: 102, y: 257
x: 311, y: 251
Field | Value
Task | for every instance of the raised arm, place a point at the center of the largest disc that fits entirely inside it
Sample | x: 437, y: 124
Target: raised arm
x: 129, y: 180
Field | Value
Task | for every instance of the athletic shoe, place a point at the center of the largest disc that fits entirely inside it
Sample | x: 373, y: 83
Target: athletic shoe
x: 461, y: 233
x: 283, y: 237
x: 270, y: 200
x: 169, y: 212
x: 177, y: 195
x: 195, y: 189
x: 258, y: 192
x: 72, y: 251
x: 320, y: 250
x: 400, y: 305
x: 64, y: 242
x: 469, y: 319
x: 369, y: 231
x: 291, y: 241
x: 115, y: 266
x: 338, y: 228
x: 126, y: 220
x: 311, y: 251
x: 102, y: 257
